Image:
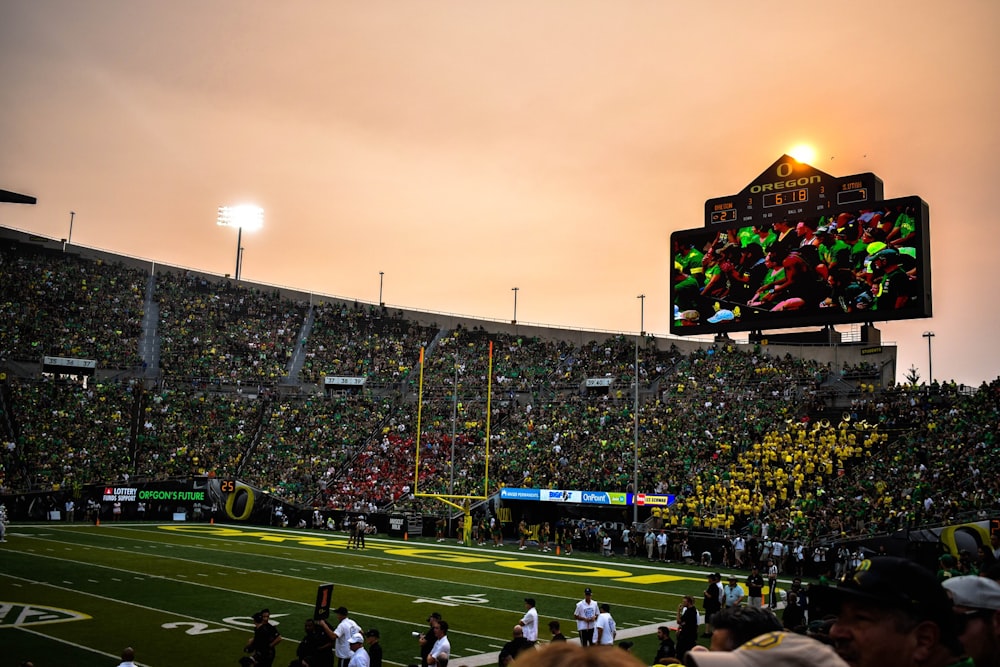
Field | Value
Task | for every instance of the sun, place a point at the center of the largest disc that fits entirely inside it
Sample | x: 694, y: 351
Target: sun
x: 803, y: 153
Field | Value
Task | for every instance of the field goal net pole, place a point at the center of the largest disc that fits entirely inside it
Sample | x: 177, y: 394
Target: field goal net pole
x: 450, y: 499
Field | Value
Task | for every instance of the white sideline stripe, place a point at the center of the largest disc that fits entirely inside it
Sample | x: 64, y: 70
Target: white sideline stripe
x: 73, y: 644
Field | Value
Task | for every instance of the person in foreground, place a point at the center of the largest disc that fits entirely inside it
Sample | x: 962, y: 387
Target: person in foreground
x: 977, y: 607
x: 774, y: 649
x: 891, y: 612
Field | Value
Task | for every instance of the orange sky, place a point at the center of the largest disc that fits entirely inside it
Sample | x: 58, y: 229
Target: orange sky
x: 467, y: 147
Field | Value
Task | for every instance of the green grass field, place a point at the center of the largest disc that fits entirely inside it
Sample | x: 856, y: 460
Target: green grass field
x: 182, y: 594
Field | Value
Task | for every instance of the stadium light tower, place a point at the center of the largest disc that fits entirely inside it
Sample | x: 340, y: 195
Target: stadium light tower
x: 514, y: 290
x: 244, y: 216
x: 381, y: 275
x: 635, y: 409
x: 930, y: 365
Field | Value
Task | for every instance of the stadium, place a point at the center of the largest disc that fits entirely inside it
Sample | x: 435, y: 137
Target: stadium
x: 219, y: 439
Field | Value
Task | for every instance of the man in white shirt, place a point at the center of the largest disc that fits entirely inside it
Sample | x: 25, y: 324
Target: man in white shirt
x: 605, y: 627
x: 442, y: 647
x: 586, y: 615
x: 739, y: 549
x: 661, y: 545
x: 529, y: 622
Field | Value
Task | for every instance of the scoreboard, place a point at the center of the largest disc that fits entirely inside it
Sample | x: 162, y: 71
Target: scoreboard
x: 789, y: 188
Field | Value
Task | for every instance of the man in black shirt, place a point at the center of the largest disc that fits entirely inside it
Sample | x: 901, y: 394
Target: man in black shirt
x: 667, y: 651
x: 374, y: 648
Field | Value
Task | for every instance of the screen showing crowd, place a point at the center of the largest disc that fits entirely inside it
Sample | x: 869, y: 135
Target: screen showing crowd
x: 849, y: 265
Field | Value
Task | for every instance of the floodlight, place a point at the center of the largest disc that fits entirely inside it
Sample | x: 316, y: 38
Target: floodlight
x: 244, y: 216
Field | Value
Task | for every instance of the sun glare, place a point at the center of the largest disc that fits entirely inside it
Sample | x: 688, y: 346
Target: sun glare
x: 803, y: 153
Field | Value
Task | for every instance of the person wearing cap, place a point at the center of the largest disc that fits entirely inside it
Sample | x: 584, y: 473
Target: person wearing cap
x: 891, y: 612
x: 514, y: 647
x: 442, y: 646
x: 977, y: 609
x: 341, y: 635
x: 586, y: 615
x: 773, y: 649
x: 428, y: 638
x: 738, y: 625
x: 374, y: 648
x: 732, y: 593
x: 359, y: 657
x: 265, y: 638
x: 755, y: 587
x: 605, y: 626
x: 529, y: 622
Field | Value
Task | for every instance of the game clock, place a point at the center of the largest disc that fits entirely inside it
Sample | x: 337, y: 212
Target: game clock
x: 227, y: 485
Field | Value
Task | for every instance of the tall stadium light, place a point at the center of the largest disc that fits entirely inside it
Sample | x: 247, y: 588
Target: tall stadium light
x: 69, y: 239
x: 381, y: 303
x: 930, y: 366
x: 635, y: 410
x: 244, y: 216
x: 514, y: 290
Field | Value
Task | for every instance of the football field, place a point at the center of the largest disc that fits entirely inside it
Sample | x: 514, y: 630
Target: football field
x: 183, y: 594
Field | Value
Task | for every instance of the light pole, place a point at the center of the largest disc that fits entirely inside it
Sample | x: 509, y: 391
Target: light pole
x: 69, y: 241
x: 381, y: 303
x: 243, y: 216
x: 514, y: 290
x: 635, y: 409
x: 930, y: 365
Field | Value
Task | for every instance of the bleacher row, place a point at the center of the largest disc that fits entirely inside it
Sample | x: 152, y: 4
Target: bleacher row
x: 237, y: 391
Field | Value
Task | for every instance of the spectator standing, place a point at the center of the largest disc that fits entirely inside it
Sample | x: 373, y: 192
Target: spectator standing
x: 687, y: 621
x: 514, y: 647
x: 755, y: 587
x: 529, y: 622
x: 359, y: 655
x: 441, y: 650
x: 586, y: 616
x: 733, y: 593
x: 315, y: 648
x: 556, y: 630
x: 666, y: 652
x: 372, y: 639
x: 263, y: 642
x: 605, y: 626
x: 428, y: 638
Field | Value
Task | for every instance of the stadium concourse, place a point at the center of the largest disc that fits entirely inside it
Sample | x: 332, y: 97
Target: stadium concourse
x: 315, y: 401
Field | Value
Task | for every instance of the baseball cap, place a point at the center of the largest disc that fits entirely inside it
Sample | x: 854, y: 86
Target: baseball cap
x: 530, y: 601
x: 974, y: 591
x: 587, y: 591
x: 774, y: 649
x: 372, y: 632
x: 723, y: 315
x: 891, y: 582
x: 356, y: 638
x: 340, y: 611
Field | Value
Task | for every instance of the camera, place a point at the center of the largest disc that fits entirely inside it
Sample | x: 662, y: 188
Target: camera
x: 416, y: 634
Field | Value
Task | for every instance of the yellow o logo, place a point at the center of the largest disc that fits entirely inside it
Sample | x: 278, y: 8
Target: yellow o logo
x: 785, y: 169
x: 241, y: 491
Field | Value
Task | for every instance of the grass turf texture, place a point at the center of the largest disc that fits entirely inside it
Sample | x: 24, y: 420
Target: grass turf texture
x: 183, y: 594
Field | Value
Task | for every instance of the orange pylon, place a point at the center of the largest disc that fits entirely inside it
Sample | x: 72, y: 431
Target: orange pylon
x: 406, y: 537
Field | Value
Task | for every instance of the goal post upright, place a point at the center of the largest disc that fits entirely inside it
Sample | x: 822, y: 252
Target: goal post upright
x: 450, y: 499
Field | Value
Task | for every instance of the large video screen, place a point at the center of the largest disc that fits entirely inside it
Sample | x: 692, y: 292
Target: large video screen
x: 849, y: 265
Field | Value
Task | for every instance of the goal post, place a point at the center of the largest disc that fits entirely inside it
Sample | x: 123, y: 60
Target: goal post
x: 453, y: 499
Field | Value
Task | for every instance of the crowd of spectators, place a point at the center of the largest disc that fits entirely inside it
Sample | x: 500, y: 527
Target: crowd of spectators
x: 64, y: 306
x: 741, y: 437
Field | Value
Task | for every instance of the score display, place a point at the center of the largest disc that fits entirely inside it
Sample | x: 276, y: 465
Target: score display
x: 791, y: 188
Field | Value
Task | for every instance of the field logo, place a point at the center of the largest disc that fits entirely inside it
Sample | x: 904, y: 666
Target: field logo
x: 17, y: 615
